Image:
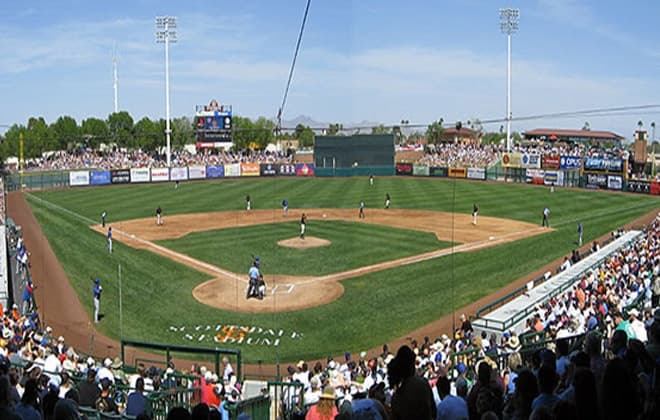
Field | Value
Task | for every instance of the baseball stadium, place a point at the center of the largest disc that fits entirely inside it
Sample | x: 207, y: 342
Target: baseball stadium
x: 251, y: 270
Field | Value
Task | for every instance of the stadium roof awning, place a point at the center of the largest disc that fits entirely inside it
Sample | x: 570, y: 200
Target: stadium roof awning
x: 556, y: 134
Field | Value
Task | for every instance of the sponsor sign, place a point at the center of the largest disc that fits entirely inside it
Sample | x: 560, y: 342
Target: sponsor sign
x: 179, y: 174
x: 550, y: 161
x: 596, y: 180
x: 215, y: 171
x: 643, y: 187
x: 438, y: 171
x: 78, y: 178
x: 99, y: 177
x: 120, y: 176
x: 404, y: 169
x: 457, y: 172
x: 160, y: 174
x: 421, y: 170
x: 233, y: 169
x: 196, y: 172
x: 553, y: 178
x: 249, y: 169
x: 614, y: 182
x: 245, y: 335
x: 570, y: 162
x: 655, y: 188
x: 476, y: 173
x: 287, y: 170
x: 603, y: 164
x: 267, y: 169
x: 535, y: 176
x: 304, y: 169
x: 511, y: 160
x: 140, y: 175
x: 530, y: 161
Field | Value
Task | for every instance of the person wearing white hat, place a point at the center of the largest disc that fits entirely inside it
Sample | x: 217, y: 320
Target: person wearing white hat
x: 104, y: 372
x: 637, y: 325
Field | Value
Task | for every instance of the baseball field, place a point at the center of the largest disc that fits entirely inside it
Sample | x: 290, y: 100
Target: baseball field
x: 352, y: 285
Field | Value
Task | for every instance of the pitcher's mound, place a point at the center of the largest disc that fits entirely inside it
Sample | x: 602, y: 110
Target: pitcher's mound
x: 308, y: 242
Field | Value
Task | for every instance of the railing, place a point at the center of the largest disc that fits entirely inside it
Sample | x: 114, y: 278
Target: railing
x: 286, y: 398
x: 256, y: 407
x: 159, y: 403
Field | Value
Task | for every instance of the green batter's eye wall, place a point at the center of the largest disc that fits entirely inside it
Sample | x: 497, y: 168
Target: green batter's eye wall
x: 361, y: 153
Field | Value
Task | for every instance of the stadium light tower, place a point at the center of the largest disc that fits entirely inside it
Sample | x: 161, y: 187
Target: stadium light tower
x: 508, y: 25
x: 115, y: 60
x: 166, y: 33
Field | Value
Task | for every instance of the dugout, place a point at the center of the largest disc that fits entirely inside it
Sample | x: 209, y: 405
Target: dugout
x: 359, y: 154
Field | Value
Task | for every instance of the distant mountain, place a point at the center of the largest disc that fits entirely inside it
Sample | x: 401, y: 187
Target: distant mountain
x: 310, y: 122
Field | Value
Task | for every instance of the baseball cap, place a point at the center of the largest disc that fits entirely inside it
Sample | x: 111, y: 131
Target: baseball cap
x: 97, y: 280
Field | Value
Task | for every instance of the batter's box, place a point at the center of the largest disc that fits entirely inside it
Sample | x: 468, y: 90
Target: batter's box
x: 283, y: 289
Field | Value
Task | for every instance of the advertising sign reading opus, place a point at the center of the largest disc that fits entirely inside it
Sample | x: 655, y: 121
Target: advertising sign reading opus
x: 570, y: 162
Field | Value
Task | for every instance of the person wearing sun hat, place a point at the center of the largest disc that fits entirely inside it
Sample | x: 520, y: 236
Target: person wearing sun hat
x: 326, y: 408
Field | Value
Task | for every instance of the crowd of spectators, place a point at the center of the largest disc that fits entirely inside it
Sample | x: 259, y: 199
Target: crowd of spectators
x: 89, y: 159
x: 460, y: 155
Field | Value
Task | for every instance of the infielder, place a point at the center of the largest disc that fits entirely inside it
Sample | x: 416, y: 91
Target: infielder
x: 285, y: 207
x: 248, y: 204
x: 97, y: 299
x: 159, y: 216
x: 475, y: 213
x: 387, y: 200
x: 361, y: 214
x: 103, y: 216
x: 110, y: 239
x: 546, y: 214
x: 371, y: 180
x: 303, y: 223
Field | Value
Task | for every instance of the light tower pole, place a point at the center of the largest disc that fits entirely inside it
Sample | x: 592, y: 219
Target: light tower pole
x: 166, y: 33
x: 115, y: 60
x: 508, y: 25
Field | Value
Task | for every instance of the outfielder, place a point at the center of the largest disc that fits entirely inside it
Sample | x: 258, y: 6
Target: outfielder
x: 285, y: 207
x: 580, y: 229
x: 303, y: 223
x: 103, y: 216
x: 110, y: 239
x: 361, y: 213
x: 371, y: 180
x: 546, y: 215
x: 159, y: 216
x: 475, y: 213
x: 387, y: 200
x: 97, y: 299
x: 248, y: 203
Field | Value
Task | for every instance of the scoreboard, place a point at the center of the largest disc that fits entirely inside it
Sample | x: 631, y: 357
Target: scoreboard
x: 213, y: 123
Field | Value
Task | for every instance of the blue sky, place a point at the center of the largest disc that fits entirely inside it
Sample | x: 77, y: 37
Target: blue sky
x: 373, y: 60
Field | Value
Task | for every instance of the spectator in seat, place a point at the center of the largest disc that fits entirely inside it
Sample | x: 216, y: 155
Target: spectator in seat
x: 89, y: 390
x: 6, y: 410
x: 413, y: 398
x: 137, y: 402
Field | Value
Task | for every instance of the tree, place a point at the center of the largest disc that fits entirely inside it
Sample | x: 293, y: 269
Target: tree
x: 493, y: 138
x: 66, y: 132
x: 10, y: 144
x: 306, y: 138
x: 147, y: 135
x: 182, y: 132
x: 120, y: 127
x: 640, y: 124
x: 477, y: 127
x: 94, y: 131
x: 586, y: 126
x: 298, y: 131
x: 38, y: 138
x: 334, y: 129
x: 380, y: 129
x: 264, y: 132
x: 435, y: 131
x: 242, y: 132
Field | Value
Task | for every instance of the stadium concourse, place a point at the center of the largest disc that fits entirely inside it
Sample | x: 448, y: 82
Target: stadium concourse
x: 582, y: 348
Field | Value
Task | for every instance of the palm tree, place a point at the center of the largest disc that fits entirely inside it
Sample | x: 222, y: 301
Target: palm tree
x: 640, y: 124
x: 653, y: 131
x: 586, y: 126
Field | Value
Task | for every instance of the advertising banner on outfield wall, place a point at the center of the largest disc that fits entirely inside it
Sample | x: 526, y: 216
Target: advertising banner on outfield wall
x: 570, y: 162
x: 249, y: 169
x: 160, y: 174
x: 421, y: 170
x: 535, y: 176
x: 404, y: 169
x: 179, y: 174
x: 233, y: 169
x: 457, y: 172
x: 267, y: 169
x: 78, y: 178
x: 530, y: 161
x: 438, y: 171
x: 196, y: 172
x: 476, y: 173
x: 603, y: 164
x: 120, y: 176
x: 99, y: 177
x: 655, y: 188
x: 642, y: 187
x: 511, y: 160
x: 614, y: 182
x: 596, y: 180
x: 553, y: 178
x: 215, y: 171
x: 304, y: 169
x: 140, y: 175
x: 286, y: 170
x: 550, y: 161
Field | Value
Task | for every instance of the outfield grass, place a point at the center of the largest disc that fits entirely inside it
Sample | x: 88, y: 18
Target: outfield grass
x: 352, y: 245
x: 374, y: 308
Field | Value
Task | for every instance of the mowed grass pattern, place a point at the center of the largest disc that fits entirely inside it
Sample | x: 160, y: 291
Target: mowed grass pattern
x: 375, y: 308
x: 352, y: 245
